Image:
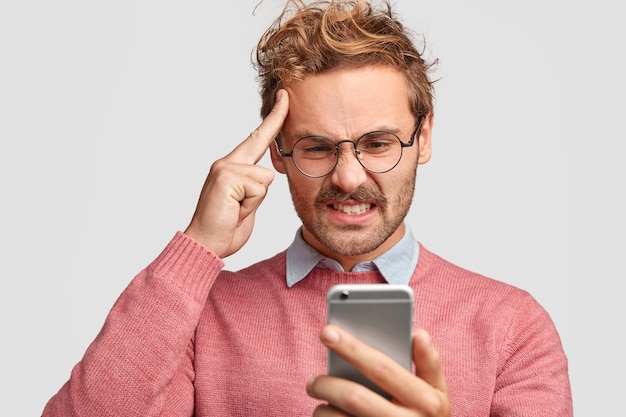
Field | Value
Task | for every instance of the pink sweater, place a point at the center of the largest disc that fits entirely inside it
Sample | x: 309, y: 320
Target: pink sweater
x: 186, y: 338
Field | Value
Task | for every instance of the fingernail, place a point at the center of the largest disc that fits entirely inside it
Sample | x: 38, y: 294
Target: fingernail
x: 279, y: 95
x: 309, y: 385
x: 330, y: 336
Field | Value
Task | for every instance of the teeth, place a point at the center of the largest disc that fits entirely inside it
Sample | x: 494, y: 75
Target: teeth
x: 352, y: 208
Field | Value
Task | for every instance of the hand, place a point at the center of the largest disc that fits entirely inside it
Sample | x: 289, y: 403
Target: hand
x: 424, y: 394
x: 235, y: 187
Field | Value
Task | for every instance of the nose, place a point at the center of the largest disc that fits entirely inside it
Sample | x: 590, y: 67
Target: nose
x: 348, y: 174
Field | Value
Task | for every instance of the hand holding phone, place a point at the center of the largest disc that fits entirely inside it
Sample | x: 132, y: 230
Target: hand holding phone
x: 380, y: 315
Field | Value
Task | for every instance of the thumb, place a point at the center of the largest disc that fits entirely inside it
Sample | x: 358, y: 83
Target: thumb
x: 428, y: 361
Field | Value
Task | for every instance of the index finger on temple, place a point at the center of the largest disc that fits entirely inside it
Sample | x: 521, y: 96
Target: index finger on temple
x: 252, y: 149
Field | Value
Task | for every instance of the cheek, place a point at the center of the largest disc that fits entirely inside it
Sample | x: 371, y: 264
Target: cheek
x: 303, y: 189
x: 407, y: 168
x: 410, y: 156
x: 400, y: 183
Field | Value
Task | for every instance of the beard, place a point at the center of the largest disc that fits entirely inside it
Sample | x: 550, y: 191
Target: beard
x: 354, y: 240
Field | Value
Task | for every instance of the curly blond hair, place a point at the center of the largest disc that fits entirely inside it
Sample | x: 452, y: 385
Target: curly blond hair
x: 312, y: 37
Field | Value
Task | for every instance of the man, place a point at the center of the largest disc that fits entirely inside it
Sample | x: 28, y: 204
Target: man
x: 348, y: 116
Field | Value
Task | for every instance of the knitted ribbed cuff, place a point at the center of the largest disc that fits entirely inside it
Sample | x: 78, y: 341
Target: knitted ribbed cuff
x: 189, y: 264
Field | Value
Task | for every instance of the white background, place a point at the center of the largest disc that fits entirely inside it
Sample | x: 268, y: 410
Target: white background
x: 112, y: 112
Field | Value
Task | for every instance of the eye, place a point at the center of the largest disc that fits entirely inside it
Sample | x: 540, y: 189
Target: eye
x: 315, y: 147
x: 378, y: 142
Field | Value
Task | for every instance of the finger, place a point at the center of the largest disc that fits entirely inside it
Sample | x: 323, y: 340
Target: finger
x: 344, y: 396
x: 378, y: 367
x: 239, y: 178
x: 252, y: 192
x: 325, y: 410
x: 428, y: 361
x: 405, y: 388
x: 252, y: 149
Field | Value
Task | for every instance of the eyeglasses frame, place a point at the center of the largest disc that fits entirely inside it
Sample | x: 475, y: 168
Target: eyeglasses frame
x: 403, y: 145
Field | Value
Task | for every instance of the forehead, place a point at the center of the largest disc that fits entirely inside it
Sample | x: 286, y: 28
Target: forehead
x: 347, y: 102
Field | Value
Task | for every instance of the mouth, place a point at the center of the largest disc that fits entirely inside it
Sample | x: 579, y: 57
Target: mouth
x: 352, y: 209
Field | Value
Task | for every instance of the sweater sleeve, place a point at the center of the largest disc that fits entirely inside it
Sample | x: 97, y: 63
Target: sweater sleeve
x: 533, y: 378
x: 141, y: 362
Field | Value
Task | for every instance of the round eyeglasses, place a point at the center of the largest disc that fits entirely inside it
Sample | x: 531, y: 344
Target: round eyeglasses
x: 378, y: 152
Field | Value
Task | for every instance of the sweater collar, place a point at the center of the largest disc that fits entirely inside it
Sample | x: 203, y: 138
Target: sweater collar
x: 396, y: 265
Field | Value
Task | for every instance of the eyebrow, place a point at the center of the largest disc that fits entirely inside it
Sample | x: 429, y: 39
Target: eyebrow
x: 302, y: 134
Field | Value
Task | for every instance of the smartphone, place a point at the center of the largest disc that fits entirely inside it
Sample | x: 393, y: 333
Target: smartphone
x: 380, y: 315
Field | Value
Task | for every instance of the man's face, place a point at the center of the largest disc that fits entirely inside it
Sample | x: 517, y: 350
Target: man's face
x: 351, y: 214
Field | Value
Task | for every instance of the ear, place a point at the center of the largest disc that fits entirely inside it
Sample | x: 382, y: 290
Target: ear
x: 277, y: 160
x: 425, y: 144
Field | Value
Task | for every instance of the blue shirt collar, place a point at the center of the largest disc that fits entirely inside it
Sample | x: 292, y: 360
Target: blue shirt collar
x: 396, y: 265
